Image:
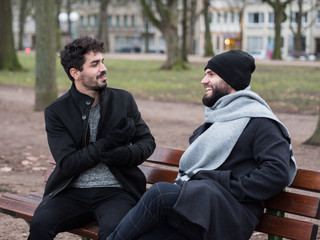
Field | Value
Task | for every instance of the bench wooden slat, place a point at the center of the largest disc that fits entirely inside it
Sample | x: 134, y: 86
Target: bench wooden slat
x: 88, y: 231
x: 26, y: 198
x: 165, y: 155
x: 154, y: 174
x: 287, y: 228
x: 17, y: 209
x: 295, y: 203
x: 307, y: 180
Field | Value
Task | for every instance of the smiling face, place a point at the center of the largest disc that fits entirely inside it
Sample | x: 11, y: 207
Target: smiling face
x: 92, y: 79
x: 215, y: 88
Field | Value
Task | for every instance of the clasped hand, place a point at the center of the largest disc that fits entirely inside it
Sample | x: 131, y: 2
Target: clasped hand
x: 122, y: 134
x: 114, y: 145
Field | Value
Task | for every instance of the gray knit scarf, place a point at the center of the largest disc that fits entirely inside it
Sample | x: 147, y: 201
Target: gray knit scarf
x: 230, y: 115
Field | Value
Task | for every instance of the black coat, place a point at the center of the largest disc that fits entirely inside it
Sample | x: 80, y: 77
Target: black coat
x: 68, y: 137
x: 228, y: 202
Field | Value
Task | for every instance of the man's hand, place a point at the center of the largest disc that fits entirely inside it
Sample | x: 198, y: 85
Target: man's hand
x: 120, y: 156
x: 122, y: 134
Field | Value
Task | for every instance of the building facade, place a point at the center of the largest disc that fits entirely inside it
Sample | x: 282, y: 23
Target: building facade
x: 245, y: 24
x: 250, y: 25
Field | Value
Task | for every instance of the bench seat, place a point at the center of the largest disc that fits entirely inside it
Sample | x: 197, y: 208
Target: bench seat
x: 290, y: 214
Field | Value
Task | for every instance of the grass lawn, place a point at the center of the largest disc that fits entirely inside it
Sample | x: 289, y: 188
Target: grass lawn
x: 285, y: 88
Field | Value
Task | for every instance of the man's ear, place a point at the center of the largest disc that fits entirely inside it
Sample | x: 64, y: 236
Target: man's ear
x: 74, y: 73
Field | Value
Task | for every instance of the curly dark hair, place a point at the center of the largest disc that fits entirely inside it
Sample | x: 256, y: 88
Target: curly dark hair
x: 72, y: 56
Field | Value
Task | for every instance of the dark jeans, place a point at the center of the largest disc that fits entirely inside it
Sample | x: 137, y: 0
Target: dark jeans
x: 75, y: 207
x: 153, y: 218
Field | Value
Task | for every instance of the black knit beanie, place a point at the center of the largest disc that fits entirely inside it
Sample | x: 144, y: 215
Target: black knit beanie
x: 234, y: 67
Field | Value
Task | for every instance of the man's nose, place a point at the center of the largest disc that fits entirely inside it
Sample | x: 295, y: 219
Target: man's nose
x: 204, y: 80
x: 103, y: 67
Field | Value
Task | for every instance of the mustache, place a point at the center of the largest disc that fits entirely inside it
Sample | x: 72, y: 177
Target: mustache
x: 102, y: 74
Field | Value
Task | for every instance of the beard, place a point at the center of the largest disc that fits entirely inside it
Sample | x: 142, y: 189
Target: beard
x: 217, y: 93
x: 92, y: 83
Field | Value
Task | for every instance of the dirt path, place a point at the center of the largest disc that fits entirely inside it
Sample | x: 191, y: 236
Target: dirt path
x: 24, y: 152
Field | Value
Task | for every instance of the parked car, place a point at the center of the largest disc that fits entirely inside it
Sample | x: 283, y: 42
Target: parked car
x: 129, y: 50
x: 156, y: 51
x: 257, y: 53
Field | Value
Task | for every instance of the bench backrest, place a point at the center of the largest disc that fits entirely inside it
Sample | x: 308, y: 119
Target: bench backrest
x: 163, y: 166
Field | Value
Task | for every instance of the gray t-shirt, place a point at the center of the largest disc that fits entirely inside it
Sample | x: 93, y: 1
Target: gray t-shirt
x: 100, y: 175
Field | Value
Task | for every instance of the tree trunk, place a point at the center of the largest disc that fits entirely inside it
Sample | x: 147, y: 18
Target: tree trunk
x: 22, y: 19
x: 58, y: 4
x: 8, y: 57
x: 279, y: 8
x: 173, y: 53
x: 168, y: 25
x: 103, y: 27
x: 278, y: 16
x: 45, y: 84
x: 191, y: 26
x: 208, y: 49
x: 184, y: 52
x: 146, y: 29
x: 315, y: 138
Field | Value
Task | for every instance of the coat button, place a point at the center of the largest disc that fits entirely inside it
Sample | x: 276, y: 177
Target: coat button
x: 84, y: 117
x: 88, y: 102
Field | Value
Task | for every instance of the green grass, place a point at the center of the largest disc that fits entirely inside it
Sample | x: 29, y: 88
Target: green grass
x: 285, y: 88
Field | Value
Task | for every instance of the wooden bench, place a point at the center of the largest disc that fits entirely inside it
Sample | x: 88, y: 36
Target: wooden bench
x: 300, y: 207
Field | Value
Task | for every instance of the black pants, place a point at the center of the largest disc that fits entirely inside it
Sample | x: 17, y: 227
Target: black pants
x: 153, y: 218
x: 75, y: 207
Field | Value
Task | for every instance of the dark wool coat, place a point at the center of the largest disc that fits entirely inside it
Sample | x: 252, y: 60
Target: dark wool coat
x: 68, y: 137
x: 228, y: 202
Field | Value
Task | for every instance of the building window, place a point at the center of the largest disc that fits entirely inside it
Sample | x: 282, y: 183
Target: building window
x: 210, y: 17
x: 109, y: 21
x: 254, y: 43
x: 88, y: 21
x: 125, y: 21
x: 133, y: 21
x: 225, y: 17
x: 95, y: 19
x: 82, y: 22
x: 271, y: 17
x: 240, y: 16
x: 294, y: 17
x: 232, y: 17
x: 255, y: 18
x: 118, y: 21
x: 318, y: 17
x: 218, y: 17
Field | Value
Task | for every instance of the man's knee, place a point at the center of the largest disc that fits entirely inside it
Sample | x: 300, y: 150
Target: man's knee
x: 166, y: 194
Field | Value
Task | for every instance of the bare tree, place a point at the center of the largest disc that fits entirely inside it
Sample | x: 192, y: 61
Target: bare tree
x: 45, y: 84
x: 8, y: 56
x: 184, y: 51
x: 23, y: 13
x: 300, y: 26
x: 208, y: 48
x: 192, y: 17
x: 58, y: 4
x: 165, y: 18
x: 103, y: 33
x: 279, y: 8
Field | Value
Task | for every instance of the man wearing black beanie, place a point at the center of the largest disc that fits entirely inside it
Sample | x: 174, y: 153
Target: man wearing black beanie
x: 234, y: 68
x: 237, y: 159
